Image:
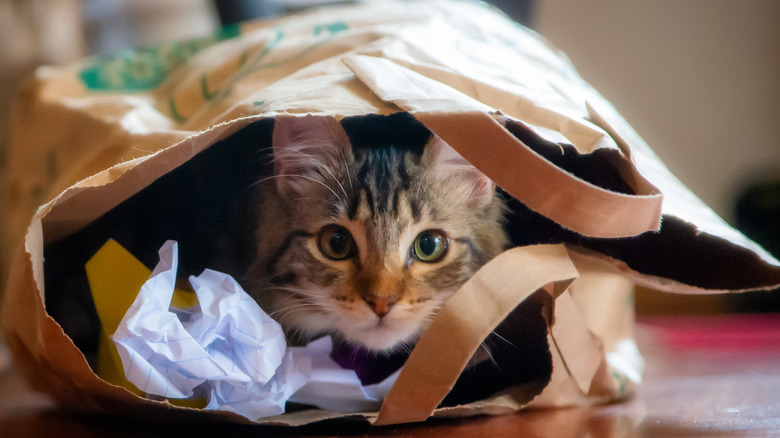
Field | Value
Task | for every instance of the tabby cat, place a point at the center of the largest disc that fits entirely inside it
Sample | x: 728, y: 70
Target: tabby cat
x: 367, y: 227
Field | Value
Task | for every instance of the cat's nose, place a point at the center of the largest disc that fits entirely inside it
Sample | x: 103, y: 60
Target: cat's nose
x: 381, y: 305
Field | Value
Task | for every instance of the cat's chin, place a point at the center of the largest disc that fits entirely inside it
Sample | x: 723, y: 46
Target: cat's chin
x: 364, y: 330
x: 381, y: 337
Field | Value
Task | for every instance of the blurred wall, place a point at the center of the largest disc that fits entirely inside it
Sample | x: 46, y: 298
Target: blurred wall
x: 112, y: 25
x: 698, y: 79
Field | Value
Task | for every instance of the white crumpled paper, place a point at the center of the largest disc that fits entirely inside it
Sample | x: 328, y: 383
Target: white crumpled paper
x: 229, y: 350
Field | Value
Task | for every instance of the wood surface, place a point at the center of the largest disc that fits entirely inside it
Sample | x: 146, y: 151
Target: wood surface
x: 706, y: 376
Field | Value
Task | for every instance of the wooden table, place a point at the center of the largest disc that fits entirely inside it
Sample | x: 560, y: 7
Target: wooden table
x: 716, y: 376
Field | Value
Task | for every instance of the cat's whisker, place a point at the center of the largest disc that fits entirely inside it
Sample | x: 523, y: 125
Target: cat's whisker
x: 339, y: 184
x: 303, y: 293
x: 301, y: 199
x: 353, y: 355
x: 324, y: 167
x: 263, y: 150
x: 268, y: 178
x: 293, y: 308
x: 292, y: 175
x: 489, y: 354
x: 404, y: 348
x: 307, y: 329
x: 300, y: 306
x: 285, y: 288
x: 269, y: 285
x: 504, y: 339
x: 296, y: 332
x: 346, y: 168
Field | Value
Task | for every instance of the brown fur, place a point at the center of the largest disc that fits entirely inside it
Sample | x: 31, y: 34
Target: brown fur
x: 385, y: 198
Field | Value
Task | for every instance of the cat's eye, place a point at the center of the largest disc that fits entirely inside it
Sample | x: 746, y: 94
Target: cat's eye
x: 430, y: 246
x: 336, y: 243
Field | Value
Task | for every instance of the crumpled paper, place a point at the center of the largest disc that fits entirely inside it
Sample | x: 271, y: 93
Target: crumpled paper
x: 229, y: 350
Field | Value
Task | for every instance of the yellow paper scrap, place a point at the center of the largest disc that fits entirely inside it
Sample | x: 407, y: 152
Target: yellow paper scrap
x: 115, y: 277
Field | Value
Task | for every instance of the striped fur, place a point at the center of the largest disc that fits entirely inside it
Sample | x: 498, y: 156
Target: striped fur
x: 385, y: 197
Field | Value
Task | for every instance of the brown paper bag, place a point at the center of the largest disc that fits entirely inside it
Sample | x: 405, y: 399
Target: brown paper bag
x: 157, y: 124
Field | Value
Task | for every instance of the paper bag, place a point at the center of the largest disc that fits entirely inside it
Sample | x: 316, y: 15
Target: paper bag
x: 158, y: 144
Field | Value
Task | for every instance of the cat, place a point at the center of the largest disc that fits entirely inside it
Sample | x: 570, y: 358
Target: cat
x: 365, y: 236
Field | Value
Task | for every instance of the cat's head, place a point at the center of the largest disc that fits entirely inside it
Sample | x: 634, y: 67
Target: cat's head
x: 368, y: 240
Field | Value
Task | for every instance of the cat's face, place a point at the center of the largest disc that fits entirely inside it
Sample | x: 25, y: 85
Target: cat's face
x: 369, y: 243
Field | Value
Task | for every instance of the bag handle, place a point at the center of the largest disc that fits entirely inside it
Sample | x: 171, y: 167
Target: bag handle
x: 467, y: 318
x: 466, y: 125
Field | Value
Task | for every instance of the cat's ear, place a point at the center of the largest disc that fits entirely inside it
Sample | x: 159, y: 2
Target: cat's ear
x: 464, y: 183
x: 306, y: 148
